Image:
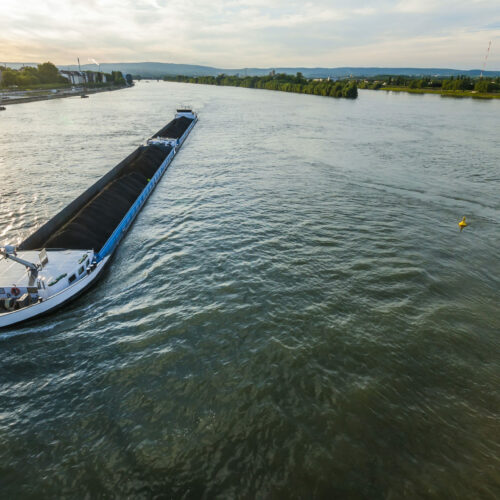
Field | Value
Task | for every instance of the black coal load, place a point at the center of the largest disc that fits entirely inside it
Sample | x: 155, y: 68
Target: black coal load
x: 147, y: 162
x: 92, y: 226
x: 175, y: 128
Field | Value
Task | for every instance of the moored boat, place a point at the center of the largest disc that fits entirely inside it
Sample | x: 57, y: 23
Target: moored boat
x: 65, y: 256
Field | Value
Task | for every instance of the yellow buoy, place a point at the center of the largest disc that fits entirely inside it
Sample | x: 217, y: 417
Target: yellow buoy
x: 462, y: 224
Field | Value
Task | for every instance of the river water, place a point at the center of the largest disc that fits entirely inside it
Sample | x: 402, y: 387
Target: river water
x: 294, y: 314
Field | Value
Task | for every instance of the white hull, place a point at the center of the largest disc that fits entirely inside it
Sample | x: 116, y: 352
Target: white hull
x: 55, y: 301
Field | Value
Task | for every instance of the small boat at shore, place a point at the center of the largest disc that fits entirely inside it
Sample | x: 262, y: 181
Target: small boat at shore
x: 68, y: 254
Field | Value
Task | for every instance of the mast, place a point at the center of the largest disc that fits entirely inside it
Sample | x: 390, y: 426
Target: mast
x: 84, y: 78
x: 485, y: 60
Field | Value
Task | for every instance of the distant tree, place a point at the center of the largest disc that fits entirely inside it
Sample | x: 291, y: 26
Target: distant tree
x: 48, y: 73
x: 25, y: 79
x: 31, y: 73
x: 299, y: 78
x: 117, y: 77
x: 350, y: 91
x: 128, y: 78
x: 484, y: 86
x: 8, y: 78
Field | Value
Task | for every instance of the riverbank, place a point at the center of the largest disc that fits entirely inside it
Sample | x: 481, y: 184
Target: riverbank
x: 445, y: 93
x: 23, y: 96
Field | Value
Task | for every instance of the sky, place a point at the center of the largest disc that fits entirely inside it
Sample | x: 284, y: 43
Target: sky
x: 254, y: 33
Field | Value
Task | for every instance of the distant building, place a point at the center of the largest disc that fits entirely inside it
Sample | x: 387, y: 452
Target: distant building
x: 74, y: 77
x: 83, y: 77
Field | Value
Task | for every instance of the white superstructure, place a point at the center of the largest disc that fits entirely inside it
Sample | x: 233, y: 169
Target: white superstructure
x: 57, y: 276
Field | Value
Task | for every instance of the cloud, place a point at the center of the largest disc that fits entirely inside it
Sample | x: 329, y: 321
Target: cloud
x: 417, y: 6
x: 237, y: 33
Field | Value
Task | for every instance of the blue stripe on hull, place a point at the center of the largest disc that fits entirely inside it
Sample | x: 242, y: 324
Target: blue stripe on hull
x: 113, y: 241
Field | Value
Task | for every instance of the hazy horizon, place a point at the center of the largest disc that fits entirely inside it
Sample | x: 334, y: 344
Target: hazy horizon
x: 87, y: 63
x: 244, y: 33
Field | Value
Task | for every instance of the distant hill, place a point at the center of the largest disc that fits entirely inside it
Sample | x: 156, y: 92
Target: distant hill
x: 150, y: 69
x: 375, y: 71
x: 158, y: 70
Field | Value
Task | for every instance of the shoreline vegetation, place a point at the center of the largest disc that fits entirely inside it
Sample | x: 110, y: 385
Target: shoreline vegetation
x: 281, y: 82
x: 460, y: 86
x: 47, y: 75
x: 44, y: 82
x: 445, y: 93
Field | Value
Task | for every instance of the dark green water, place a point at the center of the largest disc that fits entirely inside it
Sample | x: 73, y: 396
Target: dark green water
x: 294, y: 313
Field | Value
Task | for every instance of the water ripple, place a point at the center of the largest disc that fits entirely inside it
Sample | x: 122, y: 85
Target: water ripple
x: 293, y: 314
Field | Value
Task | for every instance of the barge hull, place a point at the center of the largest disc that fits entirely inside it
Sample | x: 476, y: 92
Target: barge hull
x: 133, y: 203
x: 44, y: 234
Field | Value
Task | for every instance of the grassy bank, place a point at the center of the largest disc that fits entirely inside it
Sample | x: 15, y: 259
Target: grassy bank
x: 445, y: 93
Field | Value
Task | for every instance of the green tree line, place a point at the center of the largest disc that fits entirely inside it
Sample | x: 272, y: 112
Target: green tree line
x: 283, y: 82
x: 461, y: 82
x: 43, y: 73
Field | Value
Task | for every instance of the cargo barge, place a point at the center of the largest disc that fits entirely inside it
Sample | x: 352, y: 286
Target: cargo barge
x: 67, y: 255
